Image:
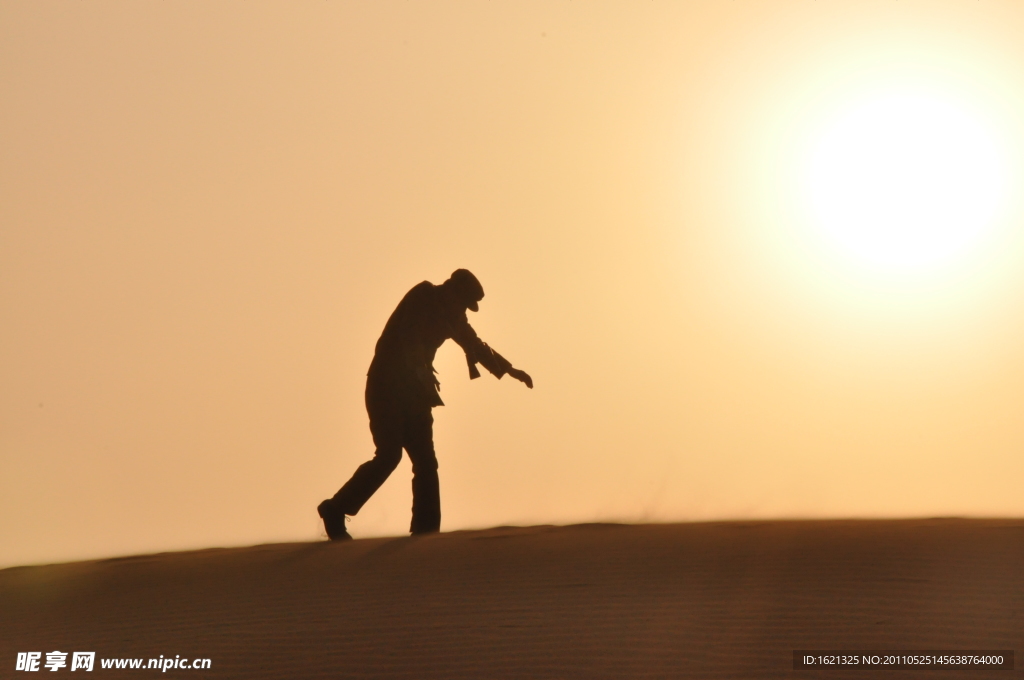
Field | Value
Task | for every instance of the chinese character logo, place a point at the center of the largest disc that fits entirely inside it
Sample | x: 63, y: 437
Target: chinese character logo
x: 55, y: 660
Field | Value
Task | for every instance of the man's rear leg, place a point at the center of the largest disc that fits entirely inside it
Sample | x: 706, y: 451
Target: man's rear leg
x: 363, y: 484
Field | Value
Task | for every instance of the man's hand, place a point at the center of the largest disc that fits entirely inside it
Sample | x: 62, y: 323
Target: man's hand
x: 521, y: 376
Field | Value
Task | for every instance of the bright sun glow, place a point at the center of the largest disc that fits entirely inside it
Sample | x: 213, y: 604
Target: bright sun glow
x: 905, y: 182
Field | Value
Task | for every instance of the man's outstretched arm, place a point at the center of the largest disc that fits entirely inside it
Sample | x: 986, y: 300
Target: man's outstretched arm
x: 478, y: 351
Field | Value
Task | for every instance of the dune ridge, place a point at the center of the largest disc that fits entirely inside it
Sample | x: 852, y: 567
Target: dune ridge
x: 694, y: 600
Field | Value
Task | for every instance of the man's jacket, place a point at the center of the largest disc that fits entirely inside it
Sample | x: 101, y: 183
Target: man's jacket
x: 404, y: 358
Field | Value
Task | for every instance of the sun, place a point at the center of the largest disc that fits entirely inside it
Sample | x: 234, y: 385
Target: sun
x: 904, y: 181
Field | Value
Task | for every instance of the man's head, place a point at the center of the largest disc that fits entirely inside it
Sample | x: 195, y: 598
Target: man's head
x: 465, y: 288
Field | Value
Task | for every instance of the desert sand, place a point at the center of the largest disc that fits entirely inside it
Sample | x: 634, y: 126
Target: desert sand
x: 696, y: 600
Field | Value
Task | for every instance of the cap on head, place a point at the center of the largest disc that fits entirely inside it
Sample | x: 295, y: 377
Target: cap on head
x: 467, y: 287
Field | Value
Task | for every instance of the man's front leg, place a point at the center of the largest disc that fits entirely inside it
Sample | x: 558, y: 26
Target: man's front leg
x: 426, y: 493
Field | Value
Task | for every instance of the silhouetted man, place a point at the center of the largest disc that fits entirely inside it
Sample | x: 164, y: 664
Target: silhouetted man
x: 401, y: 390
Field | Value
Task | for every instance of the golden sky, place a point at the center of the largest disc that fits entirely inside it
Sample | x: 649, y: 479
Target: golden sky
x: 208, y: 212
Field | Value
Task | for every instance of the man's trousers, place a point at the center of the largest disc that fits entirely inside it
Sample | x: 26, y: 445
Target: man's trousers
x: 397, y: 421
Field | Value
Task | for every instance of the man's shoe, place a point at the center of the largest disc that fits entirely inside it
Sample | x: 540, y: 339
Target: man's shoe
x: 334, y: 522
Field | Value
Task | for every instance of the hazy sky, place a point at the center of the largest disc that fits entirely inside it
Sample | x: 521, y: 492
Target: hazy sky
x: 208, y: 212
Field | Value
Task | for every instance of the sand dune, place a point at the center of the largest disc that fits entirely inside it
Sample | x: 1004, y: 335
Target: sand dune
x: 706, y: 600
